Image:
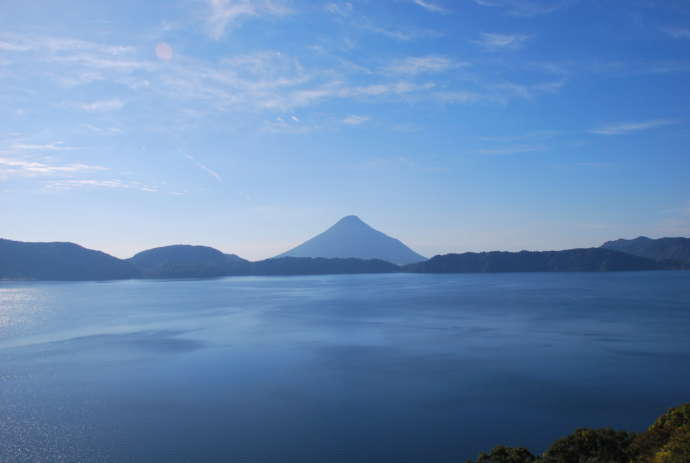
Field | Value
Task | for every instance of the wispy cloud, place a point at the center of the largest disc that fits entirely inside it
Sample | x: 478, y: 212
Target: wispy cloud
x: 459, y: 97
x: 265, y: 81
x: 57, y: 146
x: 630, y: 127
x: 495, y: 92
x: 62, y: 185
x: 290, y: 125
x: 224, y: 13
x: 205, y: 168
x: 664, y: 67
x: 422, y: 64
x: 339, y: 90
x: 491, y: 41
x: 96, y: 62
x: 339, y: 8
x: 19, y: 167
x: 511, y: 150
x: 102, y: 105
x: 405, y: 35
x: 102, y: 130
x: 507, y: 90
x: 677, y: 32
x: 17, y: 42
x: 74, y: 61
x: 285, y: 101
x: 393, y: 88
x: 537, y: 134
x: 9, y: 46
x: 433, y: 7
x: 355, y: 120
x: 525, y: 8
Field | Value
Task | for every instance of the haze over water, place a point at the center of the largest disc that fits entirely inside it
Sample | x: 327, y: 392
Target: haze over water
x: 385, y: 368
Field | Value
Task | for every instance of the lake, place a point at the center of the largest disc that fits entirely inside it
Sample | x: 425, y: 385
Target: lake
x: 330, y: 369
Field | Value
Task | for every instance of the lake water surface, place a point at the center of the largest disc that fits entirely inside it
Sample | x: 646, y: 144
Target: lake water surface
x: 334, y: 369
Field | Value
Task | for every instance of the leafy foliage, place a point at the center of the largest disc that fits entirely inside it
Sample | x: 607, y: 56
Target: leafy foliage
x: 665, y: 441
x: 502, y: 454
x: 591, y: 446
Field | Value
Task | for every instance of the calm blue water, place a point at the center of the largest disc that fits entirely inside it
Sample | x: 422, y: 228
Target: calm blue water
x: 367, y: 368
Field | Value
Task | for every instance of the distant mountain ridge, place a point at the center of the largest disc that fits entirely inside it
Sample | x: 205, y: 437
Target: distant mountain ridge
x: 59, y: 261
x: 667, y: 250
x: 569, y: 260
x: 69, y: 261
x: 320, y: 266
x: 185, y: 261
x: 350, y: 237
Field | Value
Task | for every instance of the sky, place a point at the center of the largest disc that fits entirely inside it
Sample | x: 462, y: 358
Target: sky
x: 250, y: 126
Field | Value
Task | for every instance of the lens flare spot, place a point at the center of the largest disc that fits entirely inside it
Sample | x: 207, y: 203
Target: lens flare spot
x: 164, y: 52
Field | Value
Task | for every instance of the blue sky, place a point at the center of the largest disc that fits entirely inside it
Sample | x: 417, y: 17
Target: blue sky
x: 249, y: 126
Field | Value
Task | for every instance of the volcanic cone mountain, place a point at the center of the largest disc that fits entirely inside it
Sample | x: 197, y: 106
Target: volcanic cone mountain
x: 350, y: 237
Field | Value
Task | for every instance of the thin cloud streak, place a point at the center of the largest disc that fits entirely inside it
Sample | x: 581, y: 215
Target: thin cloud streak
x: 401, y: 35
x: 631, y: 127
x: 225, y: 13
x: 292, y: 126
x: 511, y: 150
x: 8, y: 46
x: 492, y: 41
x: 63, y: 185
x: 341, y: 9
x: 677, y: 32
x: 460, y: 97
x: 525, y: 8
x: 433, y: 7
x: 423, y: 64
x: 57, y: 146
x: 13, y: 167
x: 356, y: 120
x: 102, y: 106
x: 18, y: 42
x: 205, y: 168
x: 265, y: 80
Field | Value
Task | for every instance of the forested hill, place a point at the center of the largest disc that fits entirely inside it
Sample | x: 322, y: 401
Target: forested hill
x: 59, y: 261
x: 571, y: 260
x: 670, y: 251
x: 667, y: 440
x: 68, y: 261
x: 186, y: 261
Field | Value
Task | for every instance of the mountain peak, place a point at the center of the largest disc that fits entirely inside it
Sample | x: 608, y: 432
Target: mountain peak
x: 661, y: 250
x: 350, y: 220
x: 351, y: 237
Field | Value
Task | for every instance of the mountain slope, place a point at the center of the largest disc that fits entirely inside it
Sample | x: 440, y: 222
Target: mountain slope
x: 320, y: 266
x: 350, y: 237
x: 670, y: 250
x: 571, y: 260
x: 186, y: 261
x: 59, y: 261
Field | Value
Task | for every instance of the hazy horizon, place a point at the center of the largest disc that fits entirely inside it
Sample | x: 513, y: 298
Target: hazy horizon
x: 253, y: 126
x: 230, y: 251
